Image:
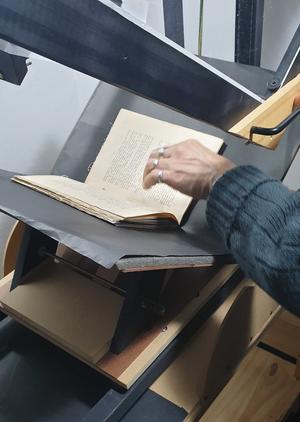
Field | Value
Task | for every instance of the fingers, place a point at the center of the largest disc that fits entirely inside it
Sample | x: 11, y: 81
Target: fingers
x: 153, y: 177
x: 161, y: 152
x: 157, y: 163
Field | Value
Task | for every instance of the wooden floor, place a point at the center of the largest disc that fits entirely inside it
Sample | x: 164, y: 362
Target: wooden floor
x: 265, y: 386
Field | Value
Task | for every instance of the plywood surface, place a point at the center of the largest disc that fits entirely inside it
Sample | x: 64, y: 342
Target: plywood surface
x: 208, y: 360
x: 263, y: 389
x: 270, y: 114
x: 284, y: 334
x: 12, y: 247
x: 5, y: 284
x: 65, y: 306
x: 184, y: 381
x: 80, y: 316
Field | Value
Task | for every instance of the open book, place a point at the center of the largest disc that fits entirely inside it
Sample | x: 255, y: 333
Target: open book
x: 113, y: 190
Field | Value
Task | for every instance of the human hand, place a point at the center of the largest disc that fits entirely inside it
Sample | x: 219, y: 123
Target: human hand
x: 188, y: 167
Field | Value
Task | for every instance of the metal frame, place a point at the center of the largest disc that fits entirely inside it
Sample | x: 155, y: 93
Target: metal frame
x: 248, y: 33
x: 141, y: 60
x: 173, y: 18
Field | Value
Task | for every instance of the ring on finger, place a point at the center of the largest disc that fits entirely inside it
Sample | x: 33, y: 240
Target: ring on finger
x: 160, y: 176
x: 155, y: 162
x: 161, y: 152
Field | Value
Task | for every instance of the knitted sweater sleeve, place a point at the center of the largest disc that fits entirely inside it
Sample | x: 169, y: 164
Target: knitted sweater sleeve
x: 259, y: 221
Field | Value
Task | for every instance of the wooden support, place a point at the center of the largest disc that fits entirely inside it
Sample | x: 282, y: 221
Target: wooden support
x: 209, y: 359
x: 263, y: 389
x: 5, y: 284
x: 270, y: 114
x: 12, y: 247
x: 284, y: 334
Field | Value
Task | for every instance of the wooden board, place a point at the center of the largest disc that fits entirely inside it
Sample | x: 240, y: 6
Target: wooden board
x: 270, y: 114
x: 66, y: 308
x: 5, y: 284
x: 80, y: 316
x: 12, y: 247
x: 209, y: 359
x: 284, y: 334
x: 263, y: 389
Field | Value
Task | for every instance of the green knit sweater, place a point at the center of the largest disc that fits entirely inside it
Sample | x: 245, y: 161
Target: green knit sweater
x: 259, y: 221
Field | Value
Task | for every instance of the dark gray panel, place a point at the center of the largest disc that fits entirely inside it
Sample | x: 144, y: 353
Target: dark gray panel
x: 101, y: 241
x: 153, y: 408
x: 248, y: 31
x: 173, y: 17
x: 41, y: 383
x: 253, y: 77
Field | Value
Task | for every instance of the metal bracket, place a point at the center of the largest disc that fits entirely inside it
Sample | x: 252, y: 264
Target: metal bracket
x: 256, y: 130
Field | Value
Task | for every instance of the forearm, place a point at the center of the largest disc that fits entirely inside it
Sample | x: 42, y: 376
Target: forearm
x: 259, y: 221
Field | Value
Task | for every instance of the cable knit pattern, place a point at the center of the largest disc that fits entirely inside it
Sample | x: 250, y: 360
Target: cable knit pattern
x: 259, y: 220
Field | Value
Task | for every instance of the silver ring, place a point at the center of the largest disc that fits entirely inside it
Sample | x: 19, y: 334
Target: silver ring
x: 155, y: 162
x: 161, y: 151
x: 160, y: 176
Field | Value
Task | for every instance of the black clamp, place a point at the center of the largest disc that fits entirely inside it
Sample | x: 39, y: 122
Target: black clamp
x: 256, y: 130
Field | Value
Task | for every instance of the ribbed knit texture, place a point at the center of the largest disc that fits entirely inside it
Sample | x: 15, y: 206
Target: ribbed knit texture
x: 259, y: 221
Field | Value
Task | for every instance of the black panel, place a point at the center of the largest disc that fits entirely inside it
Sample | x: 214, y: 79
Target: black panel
x: 41, y: 383
x: 253, y: 77
x: 92, y: 37
x: 248, y: 31
x: 173, y: 17
x: 151, y: 407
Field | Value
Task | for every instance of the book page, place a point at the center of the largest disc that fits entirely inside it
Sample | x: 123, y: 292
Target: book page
x: 120, y: 164
x: 98, y: 202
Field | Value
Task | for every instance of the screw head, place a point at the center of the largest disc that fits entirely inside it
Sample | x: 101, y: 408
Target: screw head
x: 274, y: 84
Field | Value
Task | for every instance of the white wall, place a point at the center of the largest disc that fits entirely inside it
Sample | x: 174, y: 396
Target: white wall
x: 218, y: 38
x: 281, y: 19
x: 191, y: 24
x: 36, y: 119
